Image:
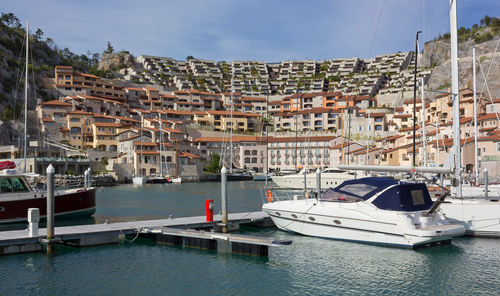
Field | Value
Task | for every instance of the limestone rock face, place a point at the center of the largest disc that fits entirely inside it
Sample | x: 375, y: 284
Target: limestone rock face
x: 115, y: 61
x: 437, y: 53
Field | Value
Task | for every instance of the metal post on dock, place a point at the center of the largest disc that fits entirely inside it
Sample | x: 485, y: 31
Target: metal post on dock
x: 223, y: 190
x: 305, y: 181
x: 85, y: 179
x: 485, y: 172
x: 318, y: 181
x: 89, y: 177
x: 50, y: 208
x: 33, y: 219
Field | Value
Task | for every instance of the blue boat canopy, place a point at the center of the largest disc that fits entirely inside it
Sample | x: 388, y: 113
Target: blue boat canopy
x: 406, y: 197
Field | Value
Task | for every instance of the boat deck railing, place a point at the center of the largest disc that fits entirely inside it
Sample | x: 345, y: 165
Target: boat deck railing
x: 284, y: 194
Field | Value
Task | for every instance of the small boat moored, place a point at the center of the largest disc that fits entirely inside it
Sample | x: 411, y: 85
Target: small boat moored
x: 17, y: 197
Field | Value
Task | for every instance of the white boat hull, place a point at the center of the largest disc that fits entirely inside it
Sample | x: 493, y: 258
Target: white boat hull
x: 481, y: 217
x: 139, y: 180
x: 176, y: 180
x: 357, y: 222
x: 478, y: 191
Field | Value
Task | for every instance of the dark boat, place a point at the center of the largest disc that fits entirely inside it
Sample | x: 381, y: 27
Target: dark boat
x: 239, y: 176
x: 17, y: 197
x: 158, y: 180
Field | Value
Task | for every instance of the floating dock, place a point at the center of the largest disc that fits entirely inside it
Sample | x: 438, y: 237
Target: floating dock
x: 183, y: 231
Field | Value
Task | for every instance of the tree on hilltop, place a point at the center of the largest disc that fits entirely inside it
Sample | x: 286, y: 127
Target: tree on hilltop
x: 10, y: 20
x: 110, y: 48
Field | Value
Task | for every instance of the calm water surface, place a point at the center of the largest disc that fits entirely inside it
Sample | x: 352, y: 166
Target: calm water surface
x: 309, y: 266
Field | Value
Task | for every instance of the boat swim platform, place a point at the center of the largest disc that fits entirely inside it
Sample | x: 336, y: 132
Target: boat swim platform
x: 182, y: 231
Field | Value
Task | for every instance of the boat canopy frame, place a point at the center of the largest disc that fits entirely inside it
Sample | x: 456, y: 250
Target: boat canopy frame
x: 386, y: 194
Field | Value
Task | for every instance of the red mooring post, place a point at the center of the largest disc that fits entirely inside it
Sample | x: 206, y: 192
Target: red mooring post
x: 209, y: 208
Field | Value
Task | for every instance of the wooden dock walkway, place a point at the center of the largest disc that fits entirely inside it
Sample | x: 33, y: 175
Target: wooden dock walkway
x: 19, y: 241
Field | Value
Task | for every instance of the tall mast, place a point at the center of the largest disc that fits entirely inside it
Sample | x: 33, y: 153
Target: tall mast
x: 424, y: 147
x: 140, y: 157
x: 415, y: 97
x: 476, y: 161
x: 161, y: 136
x: 231, y: 135
x: 26, y: 94
x: 349, y: 135
x: 455, y: 95
x: 296, y: 128
x: 367, y: 137
x: 267, y: 135
x: 437, y: 135
x: 342, y: 137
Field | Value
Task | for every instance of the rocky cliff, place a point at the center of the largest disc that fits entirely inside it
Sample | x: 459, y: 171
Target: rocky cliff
x: 437, y: 55
x: 116, y: 61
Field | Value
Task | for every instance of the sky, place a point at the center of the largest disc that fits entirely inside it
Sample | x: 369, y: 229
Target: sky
x: 227, y: 30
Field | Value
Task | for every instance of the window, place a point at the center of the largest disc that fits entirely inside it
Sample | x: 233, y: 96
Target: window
x: 18, y: 185
x: 418, y: 197
x: 498, y: 147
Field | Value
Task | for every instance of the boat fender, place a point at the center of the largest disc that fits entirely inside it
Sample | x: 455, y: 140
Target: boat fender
x: 269, y: 196
x: 307, y: 195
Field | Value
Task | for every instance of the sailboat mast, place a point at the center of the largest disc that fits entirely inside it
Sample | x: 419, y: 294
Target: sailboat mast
x: 161, y: 136
x: 231, y: 138
x: 267, y: 135
x: 424, y: 147
x: 296, y: 128
x: 367, y: 137
x: 415, y: 97
x: 141, y: 154
x: 26, y: 94
x: 457, y: 182
x: 342, y: 137
x: 476, y: 160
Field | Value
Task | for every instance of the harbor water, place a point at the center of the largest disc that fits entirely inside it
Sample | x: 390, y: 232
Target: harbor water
x: 310, y: 266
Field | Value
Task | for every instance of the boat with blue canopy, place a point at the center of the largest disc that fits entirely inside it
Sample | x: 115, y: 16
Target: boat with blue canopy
x: 377, y: 210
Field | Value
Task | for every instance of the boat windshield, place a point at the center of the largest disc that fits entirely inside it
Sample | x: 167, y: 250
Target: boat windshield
x: 336, y: 196
x: 358, y: 189
x: 13, y: 184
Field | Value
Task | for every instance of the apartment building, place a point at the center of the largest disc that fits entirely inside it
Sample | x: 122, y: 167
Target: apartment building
x: 68, y: 82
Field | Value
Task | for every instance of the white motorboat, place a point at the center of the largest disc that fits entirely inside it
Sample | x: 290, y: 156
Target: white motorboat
x: 176, y: 180
x: 471, y: 191
x: 480, y: 217
x: 330, y: 177
x: 375, y: 210
x: 139, y: 180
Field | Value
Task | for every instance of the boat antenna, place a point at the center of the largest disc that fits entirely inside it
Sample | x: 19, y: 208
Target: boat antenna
x: 415, y: 97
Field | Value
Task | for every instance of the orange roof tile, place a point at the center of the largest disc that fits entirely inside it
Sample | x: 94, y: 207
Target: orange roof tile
x: 56, y: 103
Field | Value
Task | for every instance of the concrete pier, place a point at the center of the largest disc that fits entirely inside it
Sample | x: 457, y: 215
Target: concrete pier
x: 19, y: 241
